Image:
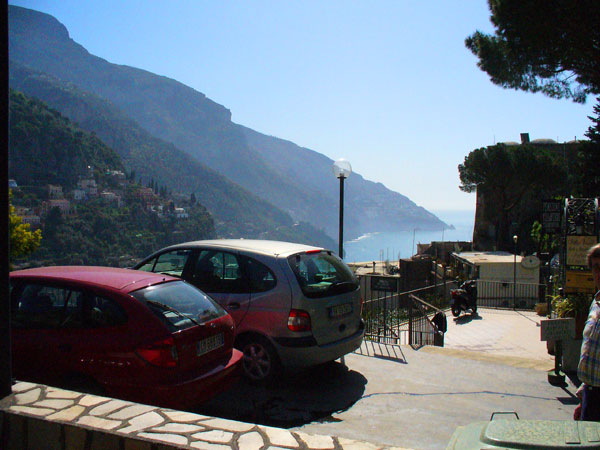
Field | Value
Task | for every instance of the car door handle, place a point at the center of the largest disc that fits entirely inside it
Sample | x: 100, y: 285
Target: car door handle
x: 233, y: 305
x: 65, y: 347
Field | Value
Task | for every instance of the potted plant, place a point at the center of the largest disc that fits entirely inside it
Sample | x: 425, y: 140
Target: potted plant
x: 576, y: 306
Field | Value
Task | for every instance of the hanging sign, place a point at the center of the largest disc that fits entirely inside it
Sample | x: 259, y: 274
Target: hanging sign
x: 577, y: 248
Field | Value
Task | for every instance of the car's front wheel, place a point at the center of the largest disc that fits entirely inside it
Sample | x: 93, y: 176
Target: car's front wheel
x: 260, y: 362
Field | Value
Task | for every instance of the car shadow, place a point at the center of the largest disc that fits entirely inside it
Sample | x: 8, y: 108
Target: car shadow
x: 294, y: 399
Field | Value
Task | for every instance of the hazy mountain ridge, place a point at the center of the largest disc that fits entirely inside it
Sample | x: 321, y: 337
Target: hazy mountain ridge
x: 292, y: 178
x: 236, y: 212
x: 379, y: 206
x: 46, y: 148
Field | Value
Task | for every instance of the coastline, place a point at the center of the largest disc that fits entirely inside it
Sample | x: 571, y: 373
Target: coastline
x: 390, y: 245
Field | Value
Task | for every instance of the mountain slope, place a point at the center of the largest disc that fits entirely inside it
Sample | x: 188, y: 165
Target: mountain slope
x: 47, y: 148
x: 237, y: 212
x: 372, y: 205
x: 177, y: 113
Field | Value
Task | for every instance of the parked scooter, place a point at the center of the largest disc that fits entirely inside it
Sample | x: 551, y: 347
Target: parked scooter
x: 464, y: 298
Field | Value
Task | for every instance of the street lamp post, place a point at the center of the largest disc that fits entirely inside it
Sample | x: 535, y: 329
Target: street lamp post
x: 515, y: 240
x: 342, y: 170
x: 413, y: 245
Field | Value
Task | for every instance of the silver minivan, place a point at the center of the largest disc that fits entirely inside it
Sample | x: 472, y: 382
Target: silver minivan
x: 293, y: 305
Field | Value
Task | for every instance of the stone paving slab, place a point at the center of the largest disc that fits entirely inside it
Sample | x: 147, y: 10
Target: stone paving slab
x: 497, y: 333
x: 88, y: 421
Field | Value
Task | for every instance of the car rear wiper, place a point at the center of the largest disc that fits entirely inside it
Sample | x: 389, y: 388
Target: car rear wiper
x: 339, y: 286
x: 171, y: 309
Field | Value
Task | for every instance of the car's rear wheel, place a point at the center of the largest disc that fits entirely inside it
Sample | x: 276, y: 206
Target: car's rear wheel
x: 260, y: 362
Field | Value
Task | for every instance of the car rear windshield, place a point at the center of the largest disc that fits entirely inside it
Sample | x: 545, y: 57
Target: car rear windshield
x: 322, y: 274
x: 179, y: 305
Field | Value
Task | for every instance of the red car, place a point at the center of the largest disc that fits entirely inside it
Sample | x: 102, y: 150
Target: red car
x: 140, y: 336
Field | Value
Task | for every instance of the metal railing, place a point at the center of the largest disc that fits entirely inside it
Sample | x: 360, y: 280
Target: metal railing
x: 407, y: 318
x: 422, y: 326
x: 506, y: 294
x: 403, y: 318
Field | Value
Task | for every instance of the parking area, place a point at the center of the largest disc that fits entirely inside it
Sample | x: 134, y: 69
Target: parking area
x: 414, y: 398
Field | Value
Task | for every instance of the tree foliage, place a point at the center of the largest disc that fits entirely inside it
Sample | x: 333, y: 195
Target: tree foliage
x: 47, y: 148
x: 548, y: 46
x: 593, y: 132
x: 509, y: 177
x: 588, y: 159
x: 22, y: 241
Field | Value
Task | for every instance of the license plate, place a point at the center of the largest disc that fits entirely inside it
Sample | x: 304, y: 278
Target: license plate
x: 340, y: 310
x: 209, y: 344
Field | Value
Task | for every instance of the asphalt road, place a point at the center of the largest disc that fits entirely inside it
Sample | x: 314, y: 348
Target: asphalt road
x: 412, y: 398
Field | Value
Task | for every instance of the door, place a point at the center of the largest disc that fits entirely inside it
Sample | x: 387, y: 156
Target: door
x: 220, y: 274
x: 41, y: 349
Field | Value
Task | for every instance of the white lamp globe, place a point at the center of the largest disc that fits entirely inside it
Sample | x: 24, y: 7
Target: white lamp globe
x: 342, y: 168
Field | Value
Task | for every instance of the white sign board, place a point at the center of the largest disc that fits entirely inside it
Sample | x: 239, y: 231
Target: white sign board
x: 557, y: 329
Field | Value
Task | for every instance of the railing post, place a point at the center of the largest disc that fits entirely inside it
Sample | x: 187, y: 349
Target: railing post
x: 410, y: 320
x: 5, y: 343
x: 548, y: 300
x: 385, y: 317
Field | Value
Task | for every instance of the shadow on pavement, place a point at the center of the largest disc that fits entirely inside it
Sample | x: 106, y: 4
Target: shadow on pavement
x: 295, y: 399
x: 466, y: 318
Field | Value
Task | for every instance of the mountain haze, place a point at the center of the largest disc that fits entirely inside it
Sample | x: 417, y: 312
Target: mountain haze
x: 298, y: 181
x: 234, y: 209
x: 47, y: 148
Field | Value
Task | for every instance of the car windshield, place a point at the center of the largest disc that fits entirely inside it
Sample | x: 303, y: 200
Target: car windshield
x: 322, y: 274
x: 179, y: 305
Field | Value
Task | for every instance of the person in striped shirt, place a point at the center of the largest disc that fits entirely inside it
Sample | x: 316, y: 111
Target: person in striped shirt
x: 588, y: 370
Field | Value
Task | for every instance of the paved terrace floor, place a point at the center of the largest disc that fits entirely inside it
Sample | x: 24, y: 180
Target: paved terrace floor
x: 416, y: 398
x: 508, y: 336
x: 383, y: 397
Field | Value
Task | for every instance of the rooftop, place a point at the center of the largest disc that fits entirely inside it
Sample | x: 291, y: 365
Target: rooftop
x: 487, y: 257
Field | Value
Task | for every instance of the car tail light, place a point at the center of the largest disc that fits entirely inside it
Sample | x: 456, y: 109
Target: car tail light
x: 299, y: 320
x: 161, y: 353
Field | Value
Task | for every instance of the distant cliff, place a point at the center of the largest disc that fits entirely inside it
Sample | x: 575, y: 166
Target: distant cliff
x: 296, y: 180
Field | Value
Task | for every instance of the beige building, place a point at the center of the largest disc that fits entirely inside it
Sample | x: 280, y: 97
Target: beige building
x: 89, y: 186
x: 63, y: 204
x: 111, y: 197
x: 55, y: 191
x: 500, y: 275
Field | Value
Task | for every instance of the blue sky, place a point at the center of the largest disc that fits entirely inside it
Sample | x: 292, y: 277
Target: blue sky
x: 387, y: 85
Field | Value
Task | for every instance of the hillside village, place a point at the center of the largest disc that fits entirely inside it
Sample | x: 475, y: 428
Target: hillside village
x: 114, y: 194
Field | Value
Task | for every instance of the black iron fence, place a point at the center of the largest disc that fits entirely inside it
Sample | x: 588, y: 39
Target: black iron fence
x: 403, y: 318
x: 411, y: 318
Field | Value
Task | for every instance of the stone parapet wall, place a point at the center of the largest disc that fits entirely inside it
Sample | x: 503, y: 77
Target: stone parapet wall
x: 41, y: 417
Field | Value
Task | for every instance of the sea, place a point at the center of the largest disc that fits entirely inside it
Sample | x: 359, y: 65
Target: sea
x: 390, y: 245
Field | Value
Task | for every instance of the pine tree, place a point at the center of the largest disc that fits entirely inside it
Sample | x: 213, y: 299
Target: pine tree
x: 593, y: 132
